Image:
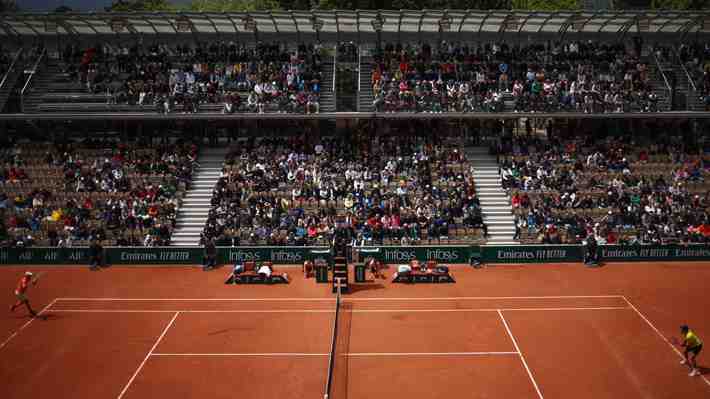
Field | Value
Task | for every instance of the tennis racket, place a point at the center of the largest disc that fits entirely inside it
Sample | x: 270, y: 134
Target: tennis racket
x: 37, y: 277
x: 675, y: 341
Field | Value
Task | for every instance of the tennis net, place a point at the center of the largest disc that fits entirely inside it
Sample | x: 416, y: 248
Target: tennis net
x: 331, y: 356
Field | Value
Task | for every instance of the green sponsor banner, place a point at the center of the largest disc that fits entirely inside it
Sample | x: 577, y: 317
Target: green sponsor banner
x: 43, y: 256
x: 654, y: 252
x: 278, y: 255
x: 442, y: 254
x: 159, y: 255
x: 388, y: 254
x: 153, y: 255
x: 530, y: 253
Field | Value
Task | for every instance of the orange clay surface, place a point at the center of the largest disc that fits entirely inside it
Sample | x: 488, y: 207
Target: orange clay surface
x: 508, y: 331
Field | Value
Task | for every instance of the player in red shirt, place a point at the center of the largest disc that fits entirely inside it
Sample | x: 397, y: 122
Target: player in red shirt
x: 20, y: 293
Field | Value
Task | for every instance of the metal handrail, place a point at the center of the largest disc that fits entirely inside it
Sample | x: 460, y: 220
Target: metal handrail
x: 335, y: 72
x: 665, y: 80
x: 659, y: 69
x: 29, y: 79
x: 11, y: 68
x: 359, y: 75
x: 685, y: 70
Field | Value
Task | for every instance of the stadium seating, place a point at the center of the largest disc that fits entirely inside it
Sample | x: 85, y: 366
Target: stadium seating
x: 563, y: 192
x: 223, y: 77
x: 67, y: 195
x: 551, y: 77
x: 281, y: 192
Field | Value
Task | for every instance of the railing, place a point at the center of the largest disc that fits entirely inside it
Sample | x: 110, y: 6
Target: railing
x: 335, y: 73
x: 35, y: 67
x: 692, y: 88
x: 691, y: 82
x: 665, y: 80
x: 11, y: 68
x: 359, y: 76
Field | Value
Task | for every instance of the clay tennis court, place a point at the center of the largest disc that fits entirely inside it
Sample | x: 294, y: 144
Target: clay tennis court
x: 534, y: 331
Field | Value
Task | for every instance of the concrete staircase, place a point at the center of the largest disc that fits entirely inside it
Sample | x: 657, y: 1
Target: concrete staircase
x: 495, y: 205
x: 366, y: 95
x: 327, y: 93
x: 196, y: 204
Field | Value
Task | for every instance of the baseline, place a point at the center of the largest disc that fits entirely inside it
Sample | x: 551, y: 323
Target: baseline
x: 352, y: 354
x: 327, y: 299
x: 459, y: 310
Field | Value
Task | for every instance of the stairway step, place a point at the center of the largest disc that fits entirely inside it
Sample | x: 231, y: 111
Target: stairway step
x: 501, y: 230
x: 507, y: 213
x: 188, y: 232
x: 187, y: 205
x: 503, y: 207
x: 186, y: 220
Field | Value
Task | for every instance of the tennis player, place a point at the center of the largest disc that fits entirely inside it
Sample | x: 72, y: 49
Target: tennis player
x: 693, y: 345
x: 21, y: 293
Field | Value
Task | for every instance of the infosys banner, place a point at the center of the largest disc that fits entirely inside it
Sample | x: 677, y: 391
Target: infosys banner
x: 530, y: 253
x: 441, y: 254
x: 278, y: 255
x: 656, y: 252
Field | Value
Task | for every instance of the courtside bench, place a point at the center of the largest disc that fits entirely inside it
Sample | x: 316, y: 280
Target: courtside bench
x: 251, y: 275
x: 430, y: 273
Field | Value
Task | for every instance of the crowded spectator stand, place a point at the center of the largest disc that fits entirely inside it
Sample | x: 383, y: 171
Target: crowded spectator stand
x: 615, y: 190
x: 586, y: 76
x: 71, y: 194
x: 183, y: 78
x: 368, y: 188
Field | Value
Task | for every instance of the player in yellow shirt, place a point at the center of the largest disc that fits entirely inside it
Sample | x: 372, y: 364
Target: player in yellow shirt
x: 692, y: 345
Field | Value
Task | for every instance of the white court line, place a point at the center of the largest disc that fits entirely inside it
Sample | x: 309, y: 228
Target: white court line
x: 189, y: 311
x: 353, y: 354
x: 522, y: 358
x: 198, y: 299
x: 663, y: 337
x: 462, y: 298
x: 458, y: 310
x: 483, y: 309
x: 274, y: 354
x: 155, y: 345
x: 14, y: 334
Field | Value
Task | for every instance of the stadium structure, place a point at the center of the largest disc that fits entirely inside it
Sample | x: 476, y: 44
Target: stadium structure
x: 468, y: 79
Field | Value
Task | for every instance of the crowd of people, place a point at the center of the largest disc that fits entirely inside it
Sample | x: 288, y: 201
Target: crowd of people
x: 260, y: 78
x: 457, y: 77
x: 76, y: 193
x: 383, y: 188
x: 564, y: 191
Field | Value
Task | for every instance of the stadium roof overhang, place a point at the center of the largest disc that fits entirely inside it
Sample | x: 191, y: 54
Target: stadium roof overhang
x: 356, y: 22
